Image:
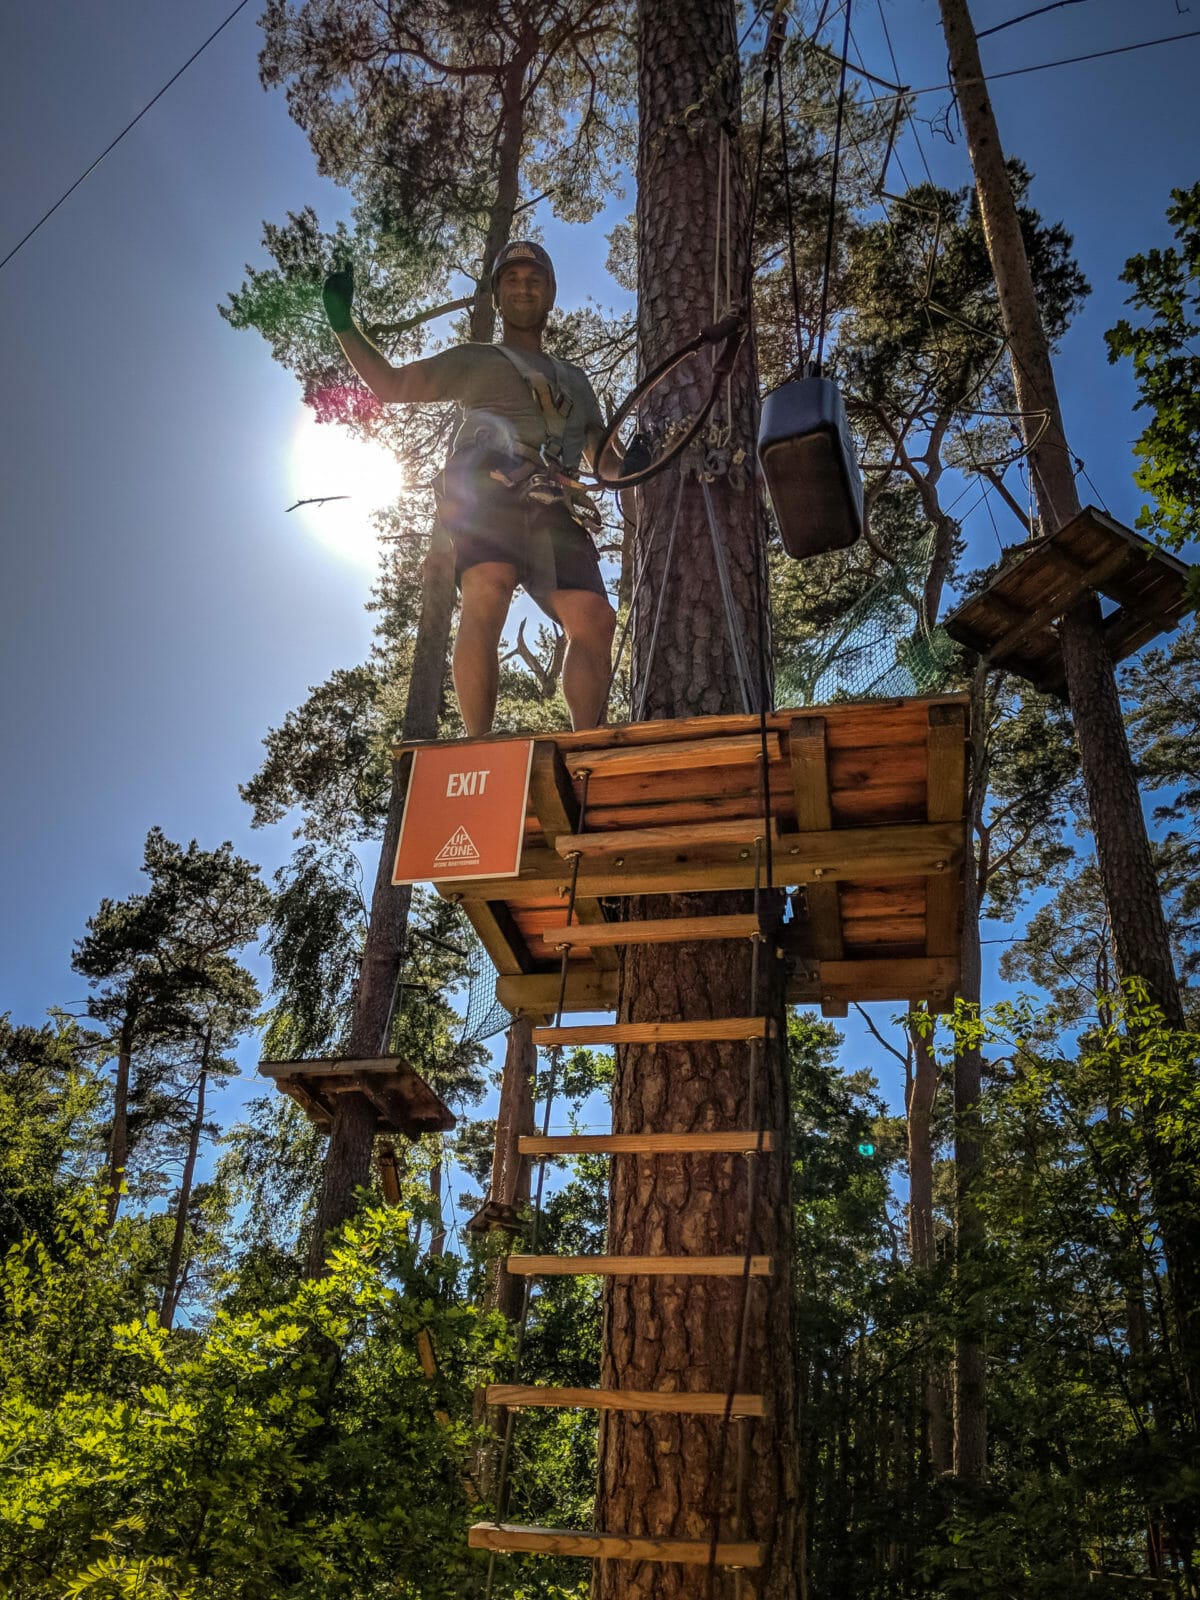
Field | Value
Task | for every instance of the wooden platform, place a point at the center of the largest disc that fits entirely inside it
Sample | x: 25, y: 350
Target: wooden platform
x: 405, y: 1102
x: 867, y: 805
x: 1012, y: 621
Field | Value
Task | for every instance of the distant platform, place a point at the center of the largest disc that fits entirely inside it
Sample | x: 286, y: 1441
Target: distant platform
x: 867, y: 815
x: 403, y: 1100
x: 1012, y: 621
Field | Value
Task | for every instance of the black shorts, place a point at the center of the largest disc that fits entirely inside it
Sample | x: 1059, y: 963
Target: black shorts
x: 487, y: 521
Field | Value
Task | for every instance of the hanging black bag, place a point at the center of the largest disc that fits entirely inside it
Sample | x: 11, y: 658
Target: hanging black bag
x: 808, y: 460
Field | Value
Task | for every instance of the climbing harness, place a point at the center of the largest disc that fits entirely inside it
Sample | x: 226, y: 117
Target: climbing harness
x: 539, y: 474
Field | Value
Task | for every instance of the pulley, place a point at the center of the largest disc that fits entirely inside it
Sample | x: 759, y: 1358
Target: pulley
x: 811, y: 470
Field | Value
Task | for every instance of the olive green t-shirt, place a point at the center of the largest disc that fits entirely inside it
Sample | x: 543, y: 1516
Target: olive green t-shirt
x: 490, y: 391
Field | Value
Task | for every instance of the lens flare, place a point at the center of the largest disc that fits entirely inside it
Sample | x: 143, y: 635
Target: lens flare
x: 326, y: 460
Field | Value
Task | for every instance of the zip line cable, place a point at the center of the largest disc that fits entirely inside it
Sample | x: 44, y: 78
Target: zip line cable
x: 1064, y: 61
x: 1026, y: 16
x: 837, y: 156
x: 128, y: 128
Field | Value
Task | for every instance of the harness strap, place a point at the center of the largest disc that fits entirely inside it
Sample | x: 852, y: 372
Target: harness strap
x: 554, y: 403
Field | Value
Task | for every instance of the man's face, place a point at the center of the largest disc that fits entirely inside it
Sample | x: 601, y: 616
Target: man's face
x: 524, y: 295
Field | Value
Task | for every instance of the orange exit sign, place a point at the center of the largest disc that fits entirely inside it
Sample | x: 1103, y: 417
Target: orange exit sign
x: 464, y: 815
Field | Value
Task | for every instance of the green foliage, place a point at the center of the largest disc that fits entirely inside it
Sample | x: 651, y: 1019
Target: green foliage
x: 1164, y: 727
x: 1166, y: 365
x: 49, y: 1100
x: 272, y: 1453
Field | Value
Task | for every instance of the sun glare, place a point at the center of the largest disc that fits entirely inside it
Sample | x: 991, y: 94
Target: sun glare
x: 326, y: 461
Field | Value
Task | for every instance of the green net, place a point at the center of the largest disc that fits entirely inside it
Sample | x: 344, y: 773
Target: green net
x: 877, y: 648
x: 485, y: 1016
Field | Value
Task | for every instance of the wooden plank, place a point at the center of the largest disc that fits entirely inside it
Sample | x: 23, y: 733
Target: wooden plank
x: 878, y: 766
x: 861, y: 720
x: 899, y: 850
x: 879, y: 978
x: 947, y: 789
x: 675, y: 812
x: 700, y: 1031
x: 947, y: 754
x: 880, y: 805
x: 667, y: 930
x: 1060, y: 596
x: 536, y: 993
x: 519, y: 1395
x: 550, y: 792
x: 643, y: 1144
x: 810, y: 785
x: 308, y: 1102
x: 557, y: 810
x: 695, y: 837
x: 507, y: 1537
x: 493, y: 922
x: 636, y: 1266
x: 736, y: 750
x: 340, y: 1067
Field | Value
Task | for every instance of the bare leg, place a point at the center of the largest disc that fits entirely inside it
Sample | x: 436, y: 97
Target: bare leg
x: 588, y: 621
x: 487, y: 592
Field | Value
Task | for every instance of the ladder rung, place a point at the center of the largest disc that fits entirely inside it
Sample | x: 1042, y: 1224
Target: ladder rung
x: 698, y: 1032
x: 682, y: 836
x: 702, y: 1405
x: 639, y: 1266
x: 666, y: 930
x: 610, y: 1546
x: 645, y: 1144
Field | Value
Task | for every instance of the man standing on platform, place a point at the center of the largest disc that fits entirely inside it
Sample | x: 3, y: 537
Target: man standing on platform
x: 508, y: 497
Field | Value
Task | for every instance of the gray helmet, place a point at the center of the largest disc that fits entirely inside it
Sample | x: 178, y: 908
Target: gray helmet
x: 523, y: 250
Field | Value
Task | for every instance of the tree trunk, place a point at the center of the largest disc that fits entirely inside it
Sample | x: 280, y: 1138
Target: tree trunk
x: 391, y: 1173
x: 508, y: 1193
x: 347, y: 1169
x: 922, y: 1248
x: 118, y: 1144
x: 1122, y: 845
x: 672, y: 1475
x: 172, y: 1286
x: 970, y: 1380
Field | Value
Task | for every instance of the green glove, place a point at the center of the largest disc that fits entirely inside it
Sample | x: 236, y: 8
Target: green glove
x: 338, y: 294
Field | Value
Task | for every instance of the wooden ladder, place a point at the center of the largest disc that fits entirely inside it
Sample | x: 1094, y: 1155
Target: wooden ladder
x: 503, y: 1537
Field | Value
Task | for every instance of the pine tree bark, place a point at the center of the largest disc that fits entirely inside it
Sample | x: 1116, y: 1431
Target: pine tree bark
x: 939, y: 1434
x: 673, y: 1475
x: 170, y: 1297
x: 1122, y: 844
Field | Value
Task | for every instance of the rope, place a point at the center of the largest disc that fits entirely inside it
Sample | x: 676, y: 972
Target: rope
x: 837, y: 156
x: 740, y: 664
x: 640, y: 708
x: 791, y: 226
x: 728, y: 333
x: 128, y: 128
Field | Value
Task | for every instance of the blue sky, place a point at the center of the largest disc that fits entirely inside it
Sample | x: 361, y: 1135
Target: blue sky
x: 160, y: 610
